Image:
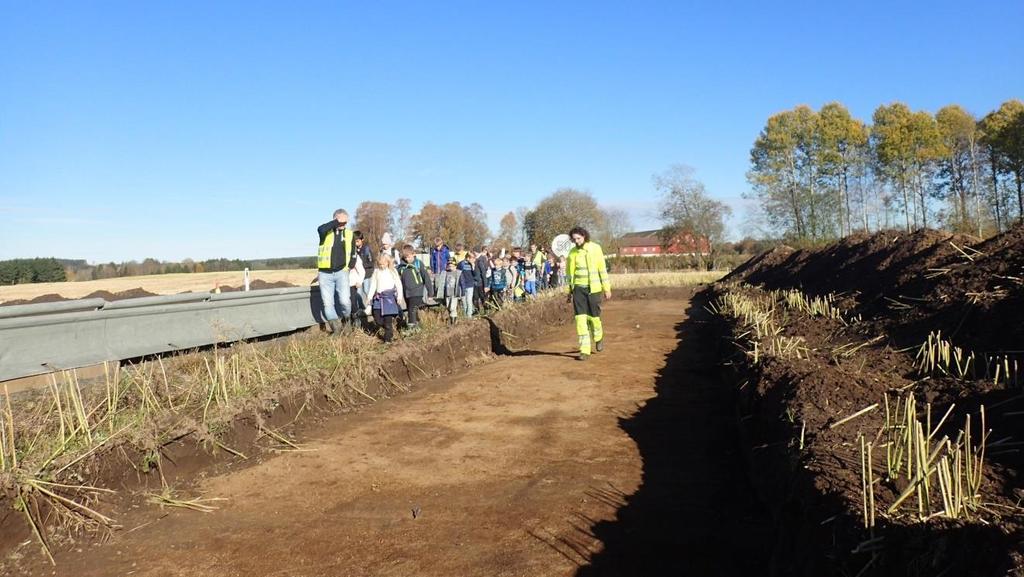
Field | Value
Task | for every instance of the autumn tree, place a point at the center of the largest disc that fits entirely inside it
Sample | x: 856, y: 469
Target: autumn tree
x: 687, y: 209
x: 452, y: 222
x: 788, y: 177
x: 374, y: 219
x: 559, y: 212
x: 958, y: 171
x: 1004, y: 136
x: 906, y: 146
x: 507, y: 230
x: 841, y: 140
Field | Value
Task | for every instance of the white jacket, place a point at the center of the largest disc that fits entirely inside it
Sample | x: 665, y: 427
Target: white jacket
x: 383, y: 280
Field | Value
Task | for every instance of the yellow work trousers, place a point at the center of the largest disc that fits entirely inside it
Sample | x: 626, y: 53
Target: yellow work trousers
x: 589, y: 330
x: 587, y: 309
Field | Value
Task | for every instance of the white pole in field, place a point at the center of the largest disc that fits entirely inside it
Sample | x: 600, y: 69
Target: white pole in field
x: 246, y: 280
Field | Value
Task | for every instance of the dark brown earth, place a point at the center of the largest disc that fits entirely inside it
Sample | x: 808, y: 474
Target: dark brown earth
x: 137, y: 292
x: 100, y: 294
x: 903, y: 286
x: 257, y: 284
x: 530, y: 464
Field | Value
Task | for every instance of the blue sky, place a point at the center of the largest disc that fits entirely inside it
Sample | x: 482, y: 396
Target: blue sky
x: 209, y: 129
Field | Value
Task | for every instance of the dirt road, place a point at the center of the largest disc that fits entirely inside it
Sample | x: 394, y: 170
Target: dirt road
x: 533, y: 464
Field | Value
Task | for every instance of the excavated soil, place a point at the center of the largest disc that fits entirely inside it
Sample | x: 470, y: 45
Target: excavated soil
x: 100, y: 294
x: 137, y: 292
x: 903, y: 287
x: 527, y: 463
x: 257, y: 284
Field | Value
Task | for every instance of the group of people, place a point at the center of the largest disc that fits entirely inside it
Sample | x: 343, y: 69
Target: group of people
x: 392, y: 285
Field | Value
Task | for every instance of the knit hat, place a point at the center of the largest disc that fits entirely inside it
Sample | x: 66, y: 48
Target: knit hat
x: 386, y: 239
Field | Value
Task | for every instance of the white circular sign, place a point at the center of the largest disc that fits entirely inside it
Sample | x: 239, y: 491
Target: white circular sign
x: 561, y: 245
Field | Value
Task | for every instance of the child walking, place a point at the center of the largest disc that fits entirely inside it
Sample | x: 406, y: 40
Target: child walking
x: 413, y: 275
x: 386, y: 296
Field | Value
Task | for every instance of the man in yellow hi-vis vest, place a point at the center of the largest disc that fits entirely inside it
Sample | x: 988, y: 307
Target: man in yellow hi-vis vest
x: 586, y: 280
x: 333, y: 260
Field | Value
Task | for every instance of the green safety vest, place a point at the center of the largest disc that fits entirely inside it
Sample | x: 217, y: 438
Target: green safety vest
x: 323, y: 257
x: 586, y: 267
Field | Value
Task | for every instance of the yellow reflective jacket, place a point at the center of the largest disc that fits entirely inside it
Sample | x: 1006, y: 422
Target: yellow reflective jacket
x: 593, y: 273
x: 323, y: 257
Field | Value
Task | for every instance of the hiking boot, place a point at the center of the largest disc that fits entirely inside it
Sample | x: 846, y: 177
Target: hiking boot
x: 329, y: 326
x: 336, y: 325
x: 583, y: 357
x: 599, y: 346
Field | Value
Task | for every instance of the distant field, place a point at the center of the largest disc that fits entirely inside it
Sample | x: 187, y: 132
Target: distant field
x: 166, y: 284
x: 163, y: 284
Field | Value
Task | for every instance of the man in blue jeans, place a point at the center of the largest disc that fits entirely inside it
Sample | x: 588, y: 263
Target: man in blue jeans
x: 334, y: 257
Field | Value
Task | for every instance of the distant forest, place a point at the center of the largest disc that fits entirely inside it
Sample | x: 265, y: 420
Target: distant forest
x: 34, y: 270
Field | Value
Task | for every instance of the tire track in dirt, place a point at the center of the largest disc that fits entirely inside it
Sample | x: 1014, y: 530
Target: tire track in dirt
x: 533, y: 464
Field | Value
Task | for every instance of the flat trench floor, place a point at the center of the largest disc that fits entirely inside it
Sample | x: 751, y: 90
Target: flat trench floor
x: 532, y: 464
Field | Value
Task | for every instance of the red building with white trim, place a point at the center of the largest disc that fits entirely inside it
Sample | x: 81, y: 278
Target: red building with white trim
x: 649, y: 243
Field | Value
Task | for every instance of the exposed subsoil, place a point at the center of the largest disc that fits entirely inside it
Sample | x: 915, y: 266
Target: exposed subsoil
x: 903, y: 287
x: 532, y: 463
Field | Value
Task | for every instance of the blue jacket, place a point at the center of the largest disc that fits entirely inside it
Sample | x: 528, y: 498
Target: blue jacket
x: 439, y: 259
x: 468, y: 276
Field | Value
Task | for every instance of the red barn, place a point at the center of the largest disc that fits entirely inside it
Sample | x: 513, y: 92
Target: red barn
x: 648, y: 243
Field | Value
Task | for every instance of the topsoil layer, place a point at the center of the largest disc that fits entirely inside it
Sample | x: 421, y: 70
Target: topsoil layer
x: 904, y: 287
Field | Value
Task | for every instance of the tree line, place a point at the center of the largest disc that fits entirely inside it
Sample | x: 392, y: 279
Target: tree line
x: 822, y: 174
x: 80, y: 270
x: 454, y: 222
x: 29, y: 270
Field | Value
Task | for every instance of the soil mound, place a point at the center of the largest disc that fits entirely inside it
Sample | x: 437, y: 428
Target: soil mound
x: 883, y: 263
x: 47, y: 298
x: 127, y: 294
x: 901, y: 288
x: 764, y: 261
x: 257, y: 285
x: 99, y: 294
x: 926, y: 281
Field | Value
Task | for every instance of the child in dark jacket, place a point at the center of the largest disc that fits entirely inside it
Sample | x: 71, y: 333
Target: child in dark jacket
x: 497, y: 283
x: 413, y: 275
x: 467, y: 283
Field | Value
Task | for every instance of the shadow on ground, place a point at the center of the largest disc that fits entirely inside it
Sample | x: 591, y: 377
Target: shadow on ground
x: 695, y: 512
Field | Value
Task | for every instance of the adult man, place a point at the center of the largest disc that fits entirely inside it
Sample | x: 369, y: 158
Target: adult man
x: 586, y: 279
x: 538, y: 262
x: 334, y: 257
x: 482, y: 266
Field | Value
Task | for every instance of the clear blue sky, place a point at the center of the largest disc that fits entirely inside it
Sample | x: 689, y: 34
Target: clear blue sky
x: 208, y: 129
